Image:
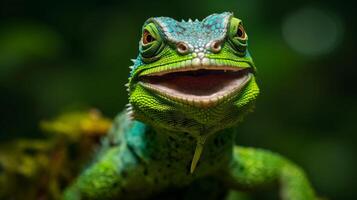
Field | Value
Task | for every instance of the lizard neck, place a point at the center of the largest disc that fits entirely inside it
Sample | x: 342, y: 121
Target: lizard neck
x: 178, y: 148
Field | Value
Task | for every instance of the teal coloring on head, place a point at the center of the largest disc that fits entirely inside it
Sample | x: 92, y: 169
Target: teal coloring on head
x: 196, y: 34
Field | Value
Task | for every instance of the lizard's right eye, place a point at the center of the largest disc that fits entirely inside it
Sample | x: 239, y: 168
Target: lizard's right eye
x: 151, y: 43
x: 147, y: 37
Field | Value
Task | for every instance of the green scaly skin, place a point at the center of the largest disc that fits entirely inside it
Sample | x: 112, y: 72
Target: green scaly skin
x: 164, y: 143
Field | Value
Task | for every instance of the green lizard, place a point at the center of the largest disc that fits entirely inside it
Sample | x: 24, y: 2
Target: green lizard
x: 190, y: 85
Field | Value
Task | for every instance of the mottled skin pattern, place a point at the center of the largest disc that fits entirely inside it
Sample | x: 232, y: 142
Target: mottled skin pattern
x: 150, y: 148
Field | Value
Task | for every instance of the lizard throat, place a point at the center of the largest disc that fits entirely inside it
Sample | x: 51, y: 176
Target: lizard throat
x: 200, y: 87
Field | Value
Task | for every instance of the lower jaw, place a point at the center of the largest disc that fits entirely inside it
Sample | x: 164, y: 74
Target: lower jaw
x: 163, y: 113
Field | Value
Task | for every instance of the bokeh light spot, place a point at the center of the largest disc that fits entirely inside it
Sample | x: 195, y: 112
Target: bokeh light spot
x: 312, y: 31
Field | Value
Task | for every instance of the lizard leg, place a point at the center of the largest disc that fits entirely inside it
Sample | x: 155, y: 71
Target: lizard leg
x: 111, y: 176
x: 252, y: 168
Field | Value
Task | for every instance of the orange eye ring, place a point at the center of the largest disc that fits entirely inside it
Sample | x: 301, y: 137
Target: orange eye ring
x: 147, y: 37
x: 241, y: 32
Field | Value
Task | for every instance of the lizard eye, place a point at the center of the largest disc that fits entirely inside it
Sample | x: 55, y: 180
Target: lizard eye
x: 151, y: 43
x: 147, y: 37
x: 240, y: 32
x: 238, y: 38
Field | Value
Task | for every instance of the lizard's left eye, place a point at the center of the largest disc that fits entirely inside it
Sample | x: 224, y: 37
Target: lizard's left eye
x: 238, y: 38
x: 241, y: 32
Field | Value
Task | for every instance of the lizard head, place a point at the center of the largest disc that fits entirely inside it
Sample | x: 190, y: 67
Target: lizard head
x: 192, y: 76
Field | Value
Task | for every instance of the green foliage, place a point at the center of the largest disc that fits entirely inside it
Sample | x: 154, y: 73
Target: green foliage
x: 75, y: 125
x: 43, y: 167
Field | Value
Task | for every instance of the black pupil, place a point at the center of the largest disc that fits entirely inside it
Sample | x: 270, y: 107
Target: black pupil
x: 149, y: 38
x: 239, y: 32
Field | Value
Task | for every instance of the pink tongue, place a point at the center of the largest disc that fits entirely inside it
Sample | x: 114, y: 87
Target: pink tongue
x: 198, y: 85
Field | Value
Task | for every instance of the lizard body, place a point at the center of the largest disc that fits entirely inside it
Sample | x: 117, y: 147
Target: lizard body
x: 190, y: 85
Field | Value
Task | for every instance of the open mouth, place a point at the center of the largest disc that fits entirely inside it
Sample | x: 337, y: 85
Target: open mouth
x: 201, y: 87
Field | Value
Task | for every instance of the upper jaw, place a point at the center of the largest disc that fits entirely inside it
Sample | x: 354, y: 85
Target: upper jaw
x: 199, y: 86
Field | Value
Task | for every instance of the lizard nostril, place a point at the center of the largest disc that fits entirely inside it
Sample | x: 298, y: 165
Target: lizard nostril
x: 182, y: 48
x: 216, y: 46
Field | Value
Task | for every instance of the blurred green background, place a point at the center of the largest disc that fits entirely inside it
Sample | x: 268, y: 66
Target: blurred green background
x: 65, y: 55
